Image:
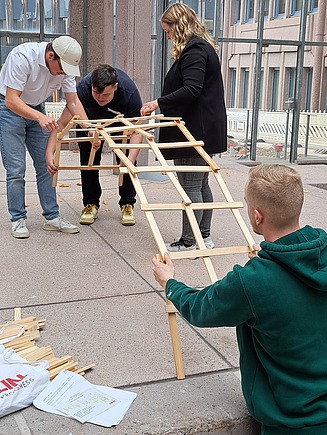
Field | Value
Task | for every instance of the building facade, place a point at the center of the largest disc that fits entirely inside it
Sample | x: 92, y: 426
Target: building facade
x: 127, y: 34
x: 278, y: 67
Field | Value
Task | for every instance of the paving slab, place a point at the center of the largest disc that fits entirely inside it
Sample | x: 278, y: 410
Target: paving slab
x: 101, y: 304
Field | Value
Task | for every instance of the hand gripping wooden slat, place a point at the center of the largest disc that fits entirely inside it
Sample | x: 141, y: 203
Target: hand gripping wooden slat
x: 121, y: 128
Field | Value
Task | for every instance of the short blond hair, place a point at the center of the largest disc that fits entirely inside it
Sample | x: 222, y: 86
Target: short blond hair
x: 185, y: 25
x: 276, y: 190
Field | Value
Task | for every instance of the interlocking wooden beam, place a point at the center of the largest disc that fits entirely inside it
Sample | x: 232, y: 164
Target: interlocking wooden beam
x: 25, y: 346
x: 116, y: 132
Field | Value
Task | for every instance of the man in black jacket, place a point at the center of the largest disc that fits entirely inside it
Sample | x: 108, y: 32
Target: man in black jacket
x: 105, y: 93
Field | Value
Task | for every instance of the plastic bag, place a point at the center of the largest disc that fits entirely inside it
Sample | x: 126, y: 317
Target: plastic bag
x: 20, y: 381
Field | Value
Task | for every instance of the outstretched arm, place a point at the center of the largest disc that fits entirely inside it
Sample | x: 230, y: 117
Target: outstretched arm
x: 74, y: 105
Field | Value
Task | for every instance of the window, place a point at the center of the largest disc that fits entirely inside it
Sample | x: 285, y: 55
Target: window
x: 24, y: 16
x: 194, y: 4
x: 3, y: 23
x: 31, y: 18
x: 313, y: 5
x: 274, y: 88
x: 279, y: 8
x: 63, y: 8
x: 232, y: 87
x: 56, y: 16
x: 266, y: 8
x: 295, y: 7
x: 290, y: 76
x: 308, y: 87
x: 237, y: 17
x: 249, y: 10
x: 209, y: 14
x: 31, y: 10
x: 245, y: 87
x: 206, y: 10
x: 261, y: 89
x: 17, y: 11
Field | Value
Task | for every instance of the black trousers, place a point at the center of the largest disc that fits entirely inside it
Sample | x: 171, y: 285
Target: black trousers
x: 91, y: 188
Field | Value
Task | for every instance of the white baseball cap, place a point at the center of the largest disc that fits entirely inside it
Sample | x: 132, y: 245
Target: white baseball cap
x: 70, y: 52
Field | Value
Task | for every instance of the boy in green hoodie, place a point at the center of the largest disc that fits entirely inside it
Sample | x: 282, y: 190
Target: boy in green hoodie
x: 278, y: 303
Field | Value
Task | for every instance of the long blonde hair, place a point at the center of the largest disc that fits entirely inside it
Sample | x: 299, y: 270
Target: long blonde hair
x: 185, y: 25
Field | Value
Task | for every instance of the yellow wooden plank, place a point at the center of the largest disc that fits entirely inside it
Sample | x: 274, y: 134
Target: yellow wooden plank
x: 171, y: 168
x: 67, y: 366
x: 42, y: 353
x: 194, y: 253
x: 26, y: 351
x: 213, y: 165
x: 194, y: 206
x: 66, y: 129
x: 88, y: 168
x: 84, y: 369
x: 110, y: 130
x: 56, y: 362
x: 17, y: 314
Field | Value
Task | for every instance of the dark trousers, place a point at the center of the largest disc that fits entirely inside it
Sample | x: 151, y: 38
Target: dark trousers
x: 91, y: 188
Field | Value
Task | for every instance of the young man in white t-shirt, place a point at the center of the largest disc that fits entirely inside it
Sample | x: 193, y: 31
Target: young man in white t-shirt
x: 30, y: 74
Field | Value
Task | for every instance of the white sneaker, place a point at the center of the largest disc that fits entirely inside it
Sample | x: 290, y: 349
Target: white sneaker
x: 178, y: 246
x: 60, y: 224
x: 19, y: 229
x: 208, y: 242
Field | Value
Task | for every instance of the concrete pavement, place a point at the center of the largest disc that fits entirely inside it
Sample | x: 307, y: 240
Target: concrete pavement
x: 101, y: 304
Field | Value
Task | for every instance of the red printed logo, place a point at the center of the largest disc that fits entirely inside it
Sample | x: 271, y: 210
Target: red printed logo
x: 10, y: 383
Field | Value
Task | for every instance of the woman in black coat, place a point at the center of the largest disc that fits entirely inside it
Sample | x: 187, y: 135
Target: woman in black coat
x: 193, y: 89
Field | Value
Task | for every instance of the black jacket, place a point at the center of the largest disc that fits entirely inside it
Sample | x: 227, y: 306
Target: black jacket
x: 193, y: 89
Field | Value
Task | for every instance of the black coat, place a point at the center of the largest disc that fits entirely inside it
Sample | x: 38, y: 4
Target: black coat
x: 193, y: 89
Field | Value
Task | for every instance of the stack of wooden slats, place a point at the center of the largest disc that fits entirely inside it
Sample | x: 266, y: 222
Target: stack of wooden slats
x: 25, y: 346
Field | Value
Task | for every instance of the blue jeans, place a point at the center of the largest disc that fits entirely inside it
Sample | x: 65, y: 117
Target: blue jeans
x: 196, y: 185
x: 17, y: 134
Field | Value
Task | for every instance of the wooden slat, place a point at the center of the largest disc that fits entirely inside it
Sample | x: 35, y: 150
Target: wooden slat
x: 57, y: 362
x: 194, y: 253
x: 161, y: 145
x: 38, y: 354
x: 88, y: 168
x: 72, y: 365
x: 56, y: 160
x: 213, y: 165
x: 93, y: 150
x: 193, y: 205
x: 23, y: 352
x: 170, y: 168
x: 84, y: 369
x: 124, y: 128
x: 132, y: 128
x: 66, y: 129
x: 25, y: 346
x: 17, y: 314
x: 172, y: 321
x: 20, y: 341
x: 122, y: 156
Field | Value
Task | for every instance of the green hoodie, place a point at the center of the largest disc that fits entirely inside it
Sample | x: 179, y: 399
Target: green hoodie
x: 278, y: 302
